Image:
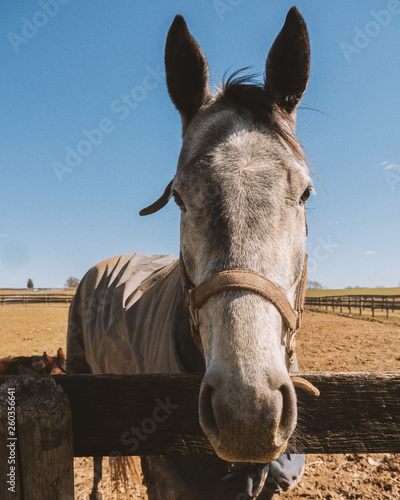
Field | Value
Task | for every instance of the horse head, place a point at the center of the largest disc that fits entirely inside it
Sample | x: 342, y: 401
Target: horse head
x: 241, y: 185
x: 55, y: 365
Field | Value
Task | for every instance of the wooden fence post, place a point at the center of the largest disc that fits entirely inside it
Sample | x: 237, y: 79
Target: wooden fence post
x: 36, y: 447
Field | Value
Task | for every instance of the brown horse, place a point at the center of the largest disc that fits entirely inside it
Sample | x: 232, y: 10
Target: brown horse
x: 34, y: 365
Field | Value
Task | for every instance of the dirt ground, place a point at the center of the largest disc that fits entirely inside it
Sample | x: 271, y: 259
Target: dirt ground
x: 326, y: 342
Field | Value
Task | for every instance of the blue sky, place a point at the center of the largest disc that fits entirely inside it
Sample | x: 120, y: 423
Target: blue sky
x: 65, y: 73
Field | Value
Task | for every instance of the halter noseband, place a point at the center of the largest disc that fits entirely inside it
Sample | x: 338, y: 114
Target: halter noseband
x: 197, y: 296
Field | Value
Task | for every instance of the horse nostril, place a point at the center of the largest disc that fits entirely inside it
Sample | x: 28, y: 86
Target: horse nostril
x: 207, y: 418
x: 288, y: 415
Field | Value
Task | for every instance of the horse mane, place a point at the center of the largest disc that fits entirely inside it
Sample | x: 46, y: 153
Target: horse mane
x: 244, y: 93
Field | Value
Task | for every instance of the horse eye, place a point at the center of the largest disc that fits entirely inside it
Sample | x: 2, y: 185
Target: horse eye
x: 178, y: 200
x: 305, y: 195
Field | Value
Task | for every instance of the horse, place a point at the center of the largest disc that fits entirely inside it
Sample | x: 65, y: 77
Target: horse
x: 231, y: 305
x: 34, y: 365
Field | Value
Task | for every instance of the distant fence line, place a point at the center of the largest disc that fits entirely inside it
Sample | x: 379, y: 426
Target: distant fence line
x: 352, y: 303
x: 25, y: 299
x: 357, y: 303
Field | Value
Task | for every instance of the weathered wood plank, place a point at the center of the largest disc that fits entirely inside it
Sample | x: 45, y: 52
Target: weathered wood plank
x: 158, y: 414
x: 39, y: 443
x: 153, y: 414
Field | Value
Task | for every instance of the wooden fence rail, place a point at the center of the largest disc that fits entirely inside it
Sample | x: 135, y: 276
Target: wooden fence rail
x: 356, y: 412
x: 45, y: 421
x: 357, y: 303
x: 25, y: 299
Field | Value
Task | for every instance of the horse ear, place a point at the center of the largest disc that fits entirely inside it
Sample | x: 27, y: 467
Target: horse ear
x: 288, y: 63
x: 187, y: 71
x: 60, y: 353
x: 47, y: 358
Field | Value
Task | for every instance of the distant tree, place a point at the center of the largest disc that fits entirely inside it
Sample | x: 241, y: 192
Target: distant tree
x: 71, y: 282
x: 314, y: 285
x: 30, y: 284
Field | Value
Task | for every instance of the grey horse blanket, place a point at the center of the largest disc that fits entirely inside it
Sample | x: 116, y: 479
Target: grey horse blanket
x: 126, y: 320
x: 129, y: 317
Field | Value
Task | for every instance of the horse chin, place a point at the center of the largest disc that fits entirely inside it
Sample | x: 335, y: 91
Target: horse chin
x: 261, y: 456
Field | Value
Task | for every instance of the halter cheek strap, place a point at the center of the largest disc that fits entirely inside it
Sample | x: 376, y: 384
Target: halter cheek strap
x: 197, y: 296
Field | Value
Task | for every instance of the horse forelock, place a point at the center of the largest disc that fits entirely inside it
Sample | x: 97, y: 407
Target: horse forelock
x: 243, y: 93
x: 251, y: 100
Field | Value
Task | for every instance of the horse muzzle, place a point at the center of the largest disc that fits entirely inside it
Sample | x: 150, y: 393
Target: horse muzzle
x: 246, y: 423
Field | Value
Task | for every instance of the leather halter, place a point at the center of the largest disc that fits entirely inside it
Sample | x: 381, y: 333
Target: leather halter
x: 239, y: 279
x: 197, y: 296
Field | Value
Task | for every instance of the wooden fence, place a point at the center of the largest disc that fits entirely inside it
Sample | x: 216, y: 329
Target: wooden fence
x: 352, y: 303
x: 357, y: 303
x: 56, y: 418
x: 25, y: 299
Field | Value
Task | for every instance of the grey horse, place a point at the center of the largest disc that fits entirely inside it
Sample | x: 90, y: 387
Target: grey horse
x: 231, y: 304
